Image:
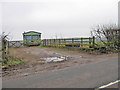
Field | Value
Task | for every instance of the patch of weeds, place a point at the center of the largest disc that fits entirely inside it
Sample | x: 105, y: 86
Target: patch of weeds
x: 11, y: 61
x: 14, y: 61
x: 115, y: 50
x: 4, y: 61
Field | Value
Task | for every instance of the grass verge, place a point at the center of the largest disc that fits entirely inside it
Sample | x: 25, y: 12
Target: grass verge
x: 10, y: 61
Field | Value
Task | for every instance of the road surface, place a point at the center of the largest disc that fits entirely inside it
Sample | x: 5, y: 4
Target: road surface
x: 91, y: 75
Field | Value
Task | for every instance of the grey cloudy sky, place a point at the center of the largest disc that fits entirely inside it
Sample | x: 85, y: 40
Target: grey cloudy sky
x: 64, y: 18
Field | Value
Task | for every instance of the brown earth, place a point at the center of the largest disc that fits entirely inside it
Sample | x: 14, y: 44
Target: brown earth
x: 33, y: 63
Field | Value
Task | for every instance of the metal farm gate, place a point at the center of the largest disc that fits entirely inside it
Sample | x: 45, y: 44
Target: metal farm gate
x: 15, y: 44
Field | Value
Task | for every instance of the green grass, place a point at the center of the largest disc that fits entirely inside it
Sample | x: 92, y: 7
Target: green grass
x: 99, y: 43
x: 84, y: 44
x: 44, y: 46
x: 11, y: 61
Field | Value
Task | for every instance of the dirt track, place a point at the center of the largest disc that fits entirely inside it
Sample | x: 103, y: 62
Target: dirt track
x: 33, y: 64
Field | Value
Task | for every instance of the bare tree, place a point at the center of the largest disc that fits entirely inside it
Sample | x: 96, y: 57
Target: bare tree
x: 108, y: 34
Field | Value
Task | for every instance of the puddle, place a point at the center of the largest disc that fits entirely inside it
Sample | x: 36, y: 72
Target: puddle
x: 55, y: 59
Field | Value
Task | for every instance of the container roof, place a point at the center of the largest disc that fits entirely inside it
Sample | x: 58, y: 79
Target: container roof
x: 32, y: 32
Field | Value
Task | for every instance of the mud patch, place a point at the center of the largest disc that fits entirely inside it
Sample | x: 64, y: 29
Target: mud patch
x: 38, y: 60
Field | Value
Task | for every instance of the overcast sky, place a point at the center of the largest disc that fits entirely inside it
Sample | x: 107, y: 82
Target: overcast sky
x: 61, y: 18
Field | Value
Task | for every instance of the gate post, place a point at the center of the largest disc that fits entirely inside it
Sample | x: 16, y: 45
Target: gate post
x: 93, y: 41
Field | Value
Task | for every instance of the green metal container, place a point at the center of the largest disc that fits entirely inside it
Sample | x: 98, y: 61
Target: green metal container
x: 31, y: 38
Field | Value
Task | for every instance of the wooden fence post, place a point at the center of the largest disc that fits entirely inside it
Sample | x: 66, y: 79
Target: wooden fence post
x: 7, y: 43
x: 72, y: 42
x: 54, y: 42
x: 93, y: 41
x: 4, y: 49
x: 50, y: 42
x: 64, y: 41
x: 59, y: 42
x: 45, y: 42
x: 89, y: 41
x: 81, y: 42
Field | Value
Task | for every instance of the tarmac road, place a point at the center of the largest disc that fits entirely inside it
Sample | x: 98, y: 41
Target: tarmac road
x: 91, y: 75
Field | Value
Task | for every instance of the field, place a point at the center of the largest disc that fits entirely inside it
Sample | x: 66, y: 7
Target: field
x: 33, y: 63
